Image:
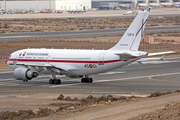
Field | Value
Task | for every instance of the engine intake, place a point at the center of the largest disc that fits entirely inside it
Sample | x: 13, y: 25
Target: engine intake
x: 24, y: 74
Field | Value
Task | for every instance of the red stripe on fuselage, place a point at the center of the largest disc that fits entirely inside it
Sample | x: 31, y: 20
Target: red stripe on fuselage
x: 69, y: 61
x: 62, y: 61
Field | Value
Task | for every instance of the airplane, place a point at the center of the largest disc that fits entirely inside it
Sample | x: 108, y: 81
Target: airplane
x: 158, y: 4
x: 29, y: 63
x: 170, y: 3
x: 146, y: 4
x: 177, y: 4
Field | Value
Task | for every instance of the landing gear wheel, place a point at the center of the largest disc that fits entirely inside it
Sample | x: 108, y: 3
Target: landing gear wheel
x: 59, y: 81
x: 55, y: 81
x: 51, y: 81
x: 90, y: 80
x: 86, y: 80
x: 83, y: 80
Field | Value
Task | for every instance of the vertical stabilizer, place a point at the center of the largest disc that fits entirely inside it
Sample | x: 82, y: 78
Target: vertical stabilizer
x: 147, y: 1
x: 132, y: 37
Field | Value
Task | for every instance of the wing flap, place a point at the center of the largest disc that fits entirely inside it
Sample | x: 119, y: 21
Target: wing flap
x: 34, y: 64
x: 67, y: 67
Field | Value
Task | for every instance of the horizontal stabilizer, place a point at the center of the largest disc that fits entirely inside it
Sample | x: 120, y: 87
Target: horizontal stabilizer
x: 161, y: 53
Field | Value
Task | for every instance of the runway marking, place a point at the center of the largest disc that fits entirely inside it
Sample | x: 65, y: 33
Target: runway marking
x: 110, y: 73
x: 14, y: 91
x: 99, y: 81
x: 140, y: 67
x: 150, y: 77
x: 6, y: 72
x: 4, y: 80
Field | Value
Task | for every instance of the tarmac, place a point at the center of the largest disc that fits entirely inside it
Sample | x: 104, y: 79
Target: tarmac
x: 93, y: 14
x: 134, y: 79
x: 80, y: 33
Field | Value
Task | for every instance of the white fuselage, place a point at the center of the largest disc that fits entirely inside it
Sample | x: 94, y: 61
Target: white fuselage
x: 87, y: 62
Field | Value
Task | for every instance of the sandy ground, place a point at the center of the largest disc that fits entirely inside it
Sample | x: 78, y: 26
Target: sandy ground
x: 134, y: 109
x: 44, y: 25
x: 28, y: 101
x: 120, y: 111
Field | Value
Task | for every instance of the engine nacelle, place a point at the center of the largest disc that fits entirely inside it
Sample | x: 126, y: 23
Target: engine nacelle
x: 24, y: 74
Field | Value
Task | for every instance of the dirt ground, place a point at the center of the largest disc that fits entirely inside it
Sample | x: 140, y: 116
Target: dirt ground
x: 164, y: 108
x: 169, y: 112
x: 44, y: 25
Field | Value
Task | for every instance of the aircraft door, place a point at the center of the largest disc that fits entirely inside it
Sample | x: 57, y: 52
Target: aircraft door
x: 15, y: 58
x: 48, y: 59
x: 101, y: 59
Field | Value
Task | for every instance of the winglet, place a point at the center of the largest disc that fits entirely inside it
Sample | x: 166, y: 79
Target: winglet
x: 149, y: 9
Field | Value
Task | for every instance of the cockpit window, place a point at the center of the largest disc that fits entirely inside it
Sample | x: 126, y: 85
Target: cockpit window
x: 10, y: 56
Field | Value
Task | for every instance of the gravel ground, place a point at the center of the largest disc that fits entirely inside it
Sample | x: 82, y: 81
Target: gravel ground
x: 151, y: 107
x: 44, y: 25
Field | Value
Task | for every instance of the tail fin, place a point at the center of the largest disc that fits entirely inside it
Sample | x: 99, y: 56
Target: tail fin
x: 132, y: 37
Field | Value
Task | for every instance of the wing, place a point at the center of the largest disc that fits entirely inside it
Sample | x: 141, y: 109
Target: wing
x: 142, y: 60
x: 55, y: 68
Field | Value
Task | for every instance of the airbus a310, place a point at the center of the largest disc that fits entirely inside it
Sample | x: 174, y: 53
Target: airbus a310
x: 29, y: 63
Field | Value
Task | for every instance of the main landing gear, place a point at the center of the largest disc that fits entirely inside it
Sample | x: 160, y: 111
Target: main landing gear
x: 86, y: 79
x: 54, y: 80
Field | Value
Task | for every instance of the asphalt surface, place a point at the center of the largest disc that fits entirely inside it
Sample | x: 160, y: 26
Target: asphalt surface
x: 93, y: 14
x: 135, y: 79
x: 80, y: 33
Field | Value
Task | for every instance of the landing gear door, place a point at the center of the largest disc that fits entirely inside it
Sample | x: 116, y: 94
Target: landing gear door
x: 101, y: 59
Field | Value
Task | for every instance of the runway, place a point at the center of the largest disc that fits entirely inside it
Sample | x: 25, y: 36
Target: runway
x: 80, y: 33
x: 135, y: 79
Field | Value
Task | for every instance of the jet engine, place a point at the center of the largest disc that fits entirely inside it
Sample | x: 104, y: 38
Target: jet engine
x: 24, y: 74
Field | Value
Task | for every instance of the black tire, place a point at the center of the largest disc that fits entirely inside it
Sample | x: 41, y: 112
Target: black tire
x: 90, y: 80
x: 83, y: 80
x: 56, y: 81
x: 59, y: 81
x: 51, y: 81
